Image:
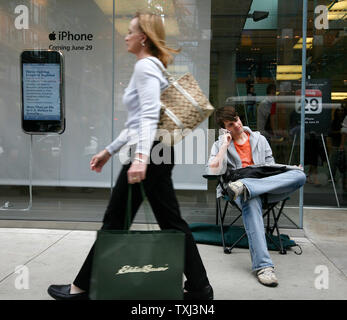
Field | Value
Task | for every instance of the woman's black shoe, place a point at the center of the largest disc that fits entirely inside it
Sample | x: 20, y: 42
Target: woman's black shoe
x: 62, y: 292
x: 204, y: 294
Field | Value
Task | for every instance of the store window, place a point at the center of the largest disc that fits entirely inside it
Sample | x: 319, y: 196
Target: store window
x: 63, y: 186
x: 326, y: 76
x: 244, y: 53
x: 97, y: 70
x: 252, y: 59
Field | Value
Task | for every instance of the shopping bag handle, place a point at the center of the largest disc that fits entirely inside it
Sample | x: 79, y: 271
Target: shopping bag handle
x: 128, y: 211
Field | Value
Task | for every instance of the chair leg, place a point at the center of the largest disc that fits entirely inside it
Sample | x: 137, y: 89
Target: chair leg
x: 225, y: 211
x: 219, y: 212
x: 282, y: 250
x: 268, y: 221
x: 229, y: 249
x: 236, y: 219
x: 236, y: 242
x: 278, y: 217
x: 273, y: 242
x: 270, y: 230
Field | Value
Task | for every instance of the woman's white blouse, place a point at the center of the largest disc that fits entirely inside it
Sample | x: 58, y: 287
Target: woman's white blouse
x: 142, y: 98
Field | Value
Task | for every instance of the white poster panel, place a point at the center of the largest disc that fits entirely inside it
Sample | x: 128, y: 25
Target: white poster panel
x: 96, y: 73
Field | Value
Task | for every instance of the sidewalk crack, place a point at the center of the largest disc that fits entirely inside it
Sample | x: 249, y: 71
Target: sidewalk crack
x: 37, y: 255
x: 323, y: 253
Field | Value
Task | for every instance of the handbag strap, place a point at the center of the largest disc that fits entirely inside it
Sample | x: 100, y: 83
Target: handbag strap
x: 172, y: 81
x: 170, y: 78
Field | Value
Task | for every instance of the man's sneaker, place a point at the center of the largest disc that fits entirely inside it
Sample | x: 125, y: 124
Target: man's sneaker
x: 267, y: 277
x: 236, y: 188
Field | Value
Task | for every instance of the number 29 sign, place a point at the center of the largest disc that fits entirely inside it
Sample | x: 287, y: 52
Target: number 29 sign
x: 313, y: 101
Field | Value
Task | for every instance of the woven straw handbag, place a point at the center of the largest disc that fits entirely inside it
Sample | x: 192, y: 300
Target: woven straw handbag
x: 183, y: 107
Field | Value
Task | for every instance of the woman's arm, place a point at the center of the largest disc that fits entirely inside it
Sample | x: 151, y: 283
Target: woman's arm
x: 119, y: 142
x: 147, y: 82
x: 99, y: 160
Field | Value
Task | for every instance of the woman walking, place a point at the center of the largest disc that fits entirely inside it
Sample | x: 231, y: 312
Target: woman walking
x: 146, y: 40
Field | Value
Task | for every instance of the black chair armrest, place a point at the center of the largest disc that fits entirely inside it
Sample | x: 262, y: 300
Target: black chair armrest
x: 211, y: 176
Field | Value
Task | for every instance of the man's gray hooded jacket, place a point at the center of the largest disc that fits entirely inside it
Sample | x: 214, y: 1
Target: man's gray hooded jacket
x: 261, y: 153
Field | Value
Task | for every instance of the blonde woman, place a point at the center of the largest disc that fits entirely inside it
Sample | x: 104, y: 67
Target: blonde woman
x: 146, y: 40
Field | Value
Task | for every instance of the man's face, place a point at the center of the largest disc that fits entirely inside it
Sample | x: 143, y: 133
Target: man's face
x: 234, y: 127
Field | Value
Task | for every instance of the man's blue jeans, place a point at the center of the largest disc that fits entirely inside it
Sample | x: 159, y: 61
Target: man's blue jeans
x: 277, y: 187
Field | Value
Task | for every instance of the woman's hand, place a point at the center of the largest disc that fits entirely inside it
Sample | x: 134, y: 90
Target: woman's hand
x: 99, y: 160
x: 137, y: 170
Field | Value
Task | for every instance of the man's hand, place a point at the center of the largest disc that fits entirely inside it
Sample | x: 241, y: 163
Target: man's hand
x: 215, y: 164
x: 227, y: 139
x: 99, y: 160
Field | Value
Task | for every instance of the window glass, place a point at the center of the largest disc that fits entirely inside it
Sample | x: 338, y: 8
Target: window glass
x: 325, y: 151
x: 62, y: 180
x: 255, y: 68
x: 243, y: 53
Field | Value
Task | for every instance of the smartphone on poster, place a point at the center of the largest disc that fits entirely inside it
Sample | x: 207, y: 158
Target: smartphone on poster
x: 42, y: 91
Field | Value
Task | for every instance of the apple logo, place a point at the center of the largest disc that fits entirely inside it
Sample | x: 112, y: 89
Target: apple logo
x: 52, y: 36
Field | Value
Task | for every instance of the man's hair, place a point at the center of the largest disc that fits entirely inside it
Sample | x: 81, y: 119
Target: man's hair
x: 227, y: 113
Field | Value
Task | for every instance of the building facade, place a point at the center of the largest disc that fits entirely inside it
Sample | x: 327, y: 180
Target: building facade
x: 243, y: 53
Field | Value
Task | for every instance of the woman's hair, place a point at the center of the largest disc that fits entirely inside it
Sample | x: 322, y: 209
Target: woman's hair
x: 227, y: 113
x: 152, y: 25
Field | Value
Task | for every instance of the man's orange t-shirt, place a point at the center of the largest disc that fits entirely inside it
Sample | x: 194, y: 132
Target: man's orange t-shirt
x: 245, y: 152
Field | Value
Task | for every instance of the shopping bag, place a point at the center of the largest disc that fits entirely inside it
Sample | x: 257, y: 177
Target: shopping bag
x: 138, y: 265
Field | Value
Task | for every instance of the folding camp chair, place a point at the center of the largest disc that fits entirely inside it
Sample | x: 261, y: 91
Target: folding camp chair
x: 269, y: 209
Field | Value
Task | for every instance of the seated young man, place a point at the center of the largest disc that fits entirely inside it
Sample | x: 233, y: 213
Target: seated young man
x: 240, y: 147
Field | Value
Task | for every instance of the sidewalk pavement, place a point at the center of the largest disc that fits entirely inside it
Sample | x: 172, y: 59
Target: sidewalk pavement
x: 53, y: 256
